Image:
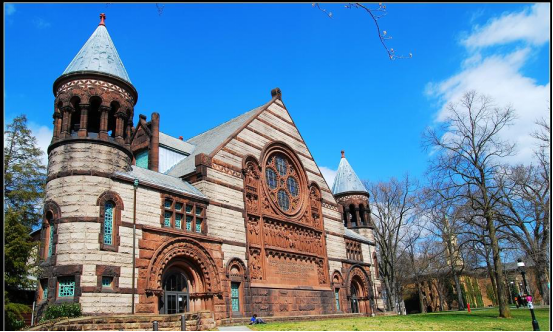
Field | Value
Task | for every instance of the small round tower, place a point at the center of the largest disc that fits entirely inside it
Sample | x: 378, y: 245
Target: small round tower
x: 352, y: 196
x: 93, y: 111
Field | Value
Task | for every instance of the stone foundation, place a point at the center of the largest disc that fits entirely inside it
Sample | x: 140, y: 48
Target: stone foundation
x: 291, y: 302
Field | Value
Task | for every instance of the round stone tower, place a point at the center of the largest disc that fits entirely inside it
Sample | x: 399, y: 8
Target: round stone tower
x: 93, y: 111
x: 353, y: 197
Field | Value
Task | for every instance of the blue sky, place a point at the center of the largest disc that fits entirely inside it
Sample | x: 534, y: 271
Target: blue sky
x: 199, y: 65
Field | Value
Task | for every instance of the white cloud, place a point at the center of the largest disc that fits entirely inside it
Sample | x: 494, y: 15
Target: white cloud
x: 43, y: 136
x: 41, y: 23
x: 10, y: 9
x: 328, y: 174
x: 530, y: 25
x: 499, y: 76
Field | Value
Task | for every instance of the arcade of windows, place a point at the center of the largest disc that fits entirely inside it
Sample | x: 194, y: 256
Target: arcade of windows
x: 184, y: 215
x: 353, y: 251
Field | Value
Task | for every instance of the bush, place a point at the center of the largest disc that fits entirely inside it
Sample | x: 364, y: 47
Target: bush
x: 14, y: 315
x: 69, y: 310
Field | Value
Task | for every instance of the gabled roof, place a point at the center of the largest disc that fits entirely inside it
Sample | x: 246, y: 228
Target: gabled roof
x: 175, y: 143
x: 346, y: 180
x: 209, y: 141
x: 99, y: 55
x: 162, y: 180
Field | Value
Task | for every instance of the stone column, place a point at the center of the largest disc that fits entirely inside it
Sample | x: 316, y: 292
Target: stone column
x: 348, y: 217
x: 104, y: 113
x: 57, y: 125
x: 119, y: 119
x: 128, y: 131
x: 84, y: 120
x: 357, y: 215
x: 66, y: 122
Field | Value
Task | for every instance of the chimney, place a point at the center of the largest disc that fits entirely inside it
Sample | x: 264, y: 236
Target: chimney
x: 180, y: 137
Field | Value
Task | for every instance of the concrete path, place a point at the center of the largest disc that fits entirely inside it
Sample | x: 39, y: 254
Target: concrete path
x: 234, y: 328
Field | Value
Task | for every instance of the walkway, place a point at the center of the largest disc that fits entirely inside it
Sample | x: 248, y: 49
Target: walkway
x: 234, y: 328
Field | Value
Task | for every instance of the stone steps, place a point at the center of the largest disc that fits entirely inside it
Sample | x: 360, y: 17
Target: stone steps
x: 130, y: 323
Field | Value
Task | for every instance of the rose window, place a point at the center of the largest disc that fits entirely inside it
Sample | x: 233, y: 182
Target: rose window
x: 283, y: 182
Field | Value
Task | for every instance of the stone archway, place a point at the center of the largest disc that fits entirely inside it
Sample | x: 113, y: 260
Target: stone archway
x: 359, y: 291
x: 186, y: 257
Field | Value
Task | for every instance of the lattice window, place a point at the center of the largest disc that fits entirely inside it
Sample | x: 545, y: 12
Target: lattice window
x: 353, y: 250
x: 44, y: 286
x: 337, y: 297
x: 181, y: 212
x: 66, y: 286
x: 235, y: 296
x: 108, y: 223
x: 107, y: 281
x: 51, y: 240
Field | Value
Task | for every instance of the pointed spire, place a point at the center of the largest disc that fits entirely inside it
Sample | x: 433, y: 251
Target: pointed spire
x: 99, y: 55
x: 346, y: 180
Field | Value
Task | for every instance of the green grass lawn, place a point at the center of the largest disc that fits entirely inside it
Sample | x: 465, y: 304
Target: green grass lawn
x: 477, y: 320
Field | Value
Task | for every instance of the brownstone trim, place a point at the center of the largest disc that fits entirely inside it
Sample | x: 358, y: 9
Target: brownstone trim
x: 105, y: 197
x: 69, y: 140
x: 332, y: 218
x: 221, y: 183
x: 65, y: 271
x: 107, y: 271
x: 232, y: 152
x: 280, y: 130
x: 235, y: 243
x: 182, y: 233
x: 226, y: 206
x: 281, y: 118
x: 226, y: 165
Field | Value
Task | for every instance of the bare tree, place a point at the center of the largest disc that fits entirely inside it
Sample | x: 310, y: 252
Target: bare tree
x: 393, y: 205
x: 525, y: 215
x: 467, y: 152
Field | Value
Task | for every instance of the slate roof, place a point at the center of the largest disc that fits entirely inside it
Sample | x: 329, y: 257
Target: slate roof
x: 346, y: 180
x: 99, y: 55
x: 353, y: 235
x: 175, y: 143
x: 208, y: 141
x: 162, y: 180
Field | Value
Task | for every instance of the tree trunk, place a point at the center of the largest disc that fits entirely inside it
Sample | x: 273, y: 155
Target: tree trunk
x: 541, y: 281
x: 491, y: 275
x: 504, y: 310
x: 421, y: 299
x: 459, y: 293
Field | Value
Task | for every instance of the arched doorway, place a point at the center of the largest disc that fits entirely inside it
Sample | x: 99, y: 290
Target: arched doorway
x: 355, y: 295
x: 176, y: 297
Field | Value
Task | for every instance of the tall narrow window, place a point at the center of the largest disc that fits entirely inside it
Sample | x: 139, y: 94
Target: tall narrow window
x: 108, y: 223
x: 44, y: 286
x: 235, y: 296
x: 337, y: 297
x: 51, y: 239
x: 66, y: 286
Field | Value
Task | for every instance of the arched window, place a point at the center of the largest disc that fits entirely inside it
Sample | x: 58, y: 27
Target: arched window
x: 108, y: 222
x: 362, y: 214
x: 49, y: 237
x: 353, y: 215
x: 111, y: 206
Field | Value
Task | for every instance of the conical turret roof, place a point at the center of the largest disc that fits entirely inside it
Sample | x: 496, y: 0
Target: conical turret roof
x: 99, y: 55
x: 346, y: 180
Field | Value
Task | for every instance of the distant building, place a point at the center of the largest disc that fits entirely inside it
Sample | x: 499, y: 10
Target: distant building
x: 237, y: 220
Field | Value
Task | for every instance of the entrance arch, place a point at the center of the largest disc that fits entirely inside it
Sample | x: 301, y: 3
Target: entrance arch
x: 183, y: 276
x: 359, y: 291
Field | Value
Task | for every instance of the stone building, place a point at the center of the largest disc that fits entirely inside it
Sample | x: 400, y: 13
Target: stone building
x: 237, y: 220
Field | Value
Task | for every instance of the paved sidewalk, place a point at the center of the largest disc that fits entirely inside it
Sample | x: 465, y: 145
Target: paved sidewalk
x: 234, y: 328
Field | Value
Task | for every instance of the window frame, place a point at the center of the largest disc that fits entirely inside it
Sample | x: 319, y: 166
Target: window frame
x: 173, y: 211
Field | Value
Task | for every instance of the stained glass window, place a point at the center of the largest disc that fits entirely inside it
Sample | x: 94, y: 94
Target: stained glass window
x: 283, y: 200
x: 178, y: 206
x: 235, y: 296
x: 189, y: 223
x: 107, y: 281
x: 198, y: 225
x: 51, y: 240
x: 189, y: 208
x: 281, y: 165
x: 44, y: 285
x: 293, y: 186
x: 337, y: 297
x: 178, y: 221
x: 168, y: 203
x: 108, y: 223
x: 199, y: 211
x: 167, y: 220
x: 271, y: 178
x: 66, y: 286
